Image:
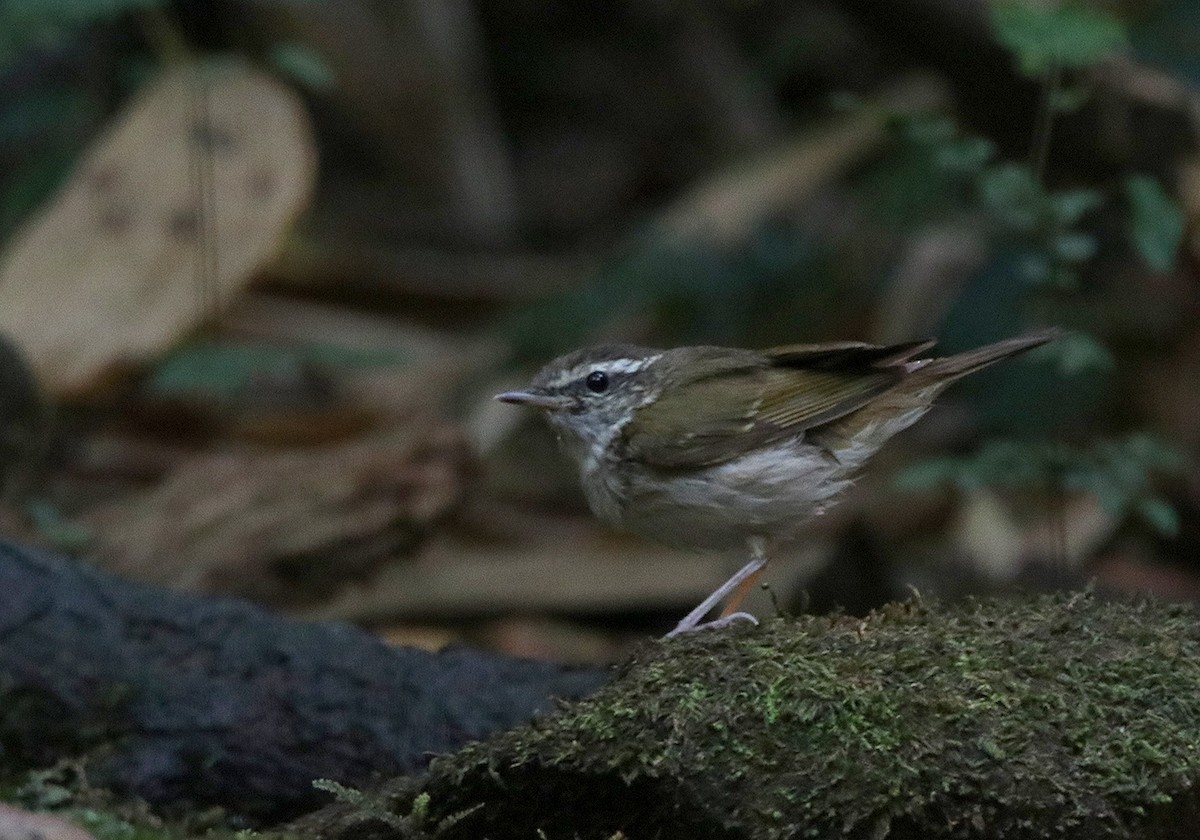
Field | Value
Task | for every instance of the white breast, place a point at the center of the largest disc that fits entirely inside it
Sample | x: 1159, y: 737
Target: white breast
x: 769, y: 492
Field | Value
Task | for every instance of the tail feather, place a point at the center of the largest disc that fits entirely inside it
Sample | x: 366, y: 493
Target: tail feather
x: 856, y: 436
x: 949, y: 368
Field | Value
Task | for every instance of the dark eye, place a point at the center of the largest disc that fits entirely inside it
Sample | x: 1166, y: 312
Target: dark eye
x: 597, y: 381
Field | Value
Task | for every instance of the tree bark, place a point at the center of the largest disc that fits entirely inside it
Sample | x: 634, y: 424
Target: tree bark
x: 179, y: 698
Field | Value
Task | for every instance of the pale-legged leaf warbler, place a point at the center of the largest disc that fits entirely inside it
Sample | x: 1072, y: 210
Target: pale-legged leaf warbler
x: 713, y: 447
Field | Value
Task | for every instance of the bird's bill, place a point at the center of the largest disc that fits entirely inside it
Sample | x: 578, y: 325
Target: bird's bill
x: 536, y: 399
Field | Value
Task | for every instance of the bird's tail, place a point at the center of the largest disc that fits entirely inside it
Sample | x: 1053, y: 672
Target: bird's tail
x: 950, y: 368
x: 855, y: 437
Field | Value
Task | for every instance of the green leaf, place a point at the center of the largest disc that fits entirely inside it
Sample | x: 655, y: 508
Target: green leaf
x: 304, y: 65
x: 228, y: 368
x: 1044, y: 37
x: 51, y: 525
x: 1063, y: 278
x: 968, y: 154
x: 35, y: 24
x: 1077, y: 352
x: 1012, y: 193
x: 1118, y: 473
x: 1075, y: 247
x: 1154, y: 453
x: 1069, y: 206
x: 1034, y: 268
x: 926, y: 129
x: 31, y: 185
x: 1156, y: 222
x: 1112, y: 497
x: 76, y: 11
x: 927, y: 475
x: 1068, y: 100
x: 43, y: 110
x: 1159, y: 515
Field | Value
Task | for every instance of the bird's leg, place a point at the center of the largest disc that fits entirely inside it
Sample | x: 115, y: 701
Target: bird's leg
x: 739, y: 585
x: 758, y: 555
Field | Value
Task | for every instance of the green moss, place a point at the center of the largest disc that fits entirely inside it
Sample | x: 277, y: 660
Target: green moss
x: 1051, y: 717
x: 63, y: 791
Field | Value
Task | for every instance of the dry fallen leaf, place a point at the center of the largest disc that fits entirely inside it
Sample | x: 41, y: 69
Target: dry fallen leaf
x: 288, y: 527
x: 169, y: 213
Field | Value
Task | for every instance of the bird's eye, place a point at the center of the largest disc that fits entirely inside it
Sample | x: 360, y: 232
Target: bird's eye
x: 597, y: 381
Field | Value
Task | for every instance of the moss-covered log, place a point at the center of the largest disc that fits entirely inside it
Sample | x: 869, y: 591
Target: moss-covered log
x: 1064, y: 717
x: 188, y: 699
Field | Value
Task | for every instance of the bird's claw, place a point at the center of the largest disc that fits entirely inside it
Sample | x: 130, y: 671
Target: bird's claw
x: 686, y: 626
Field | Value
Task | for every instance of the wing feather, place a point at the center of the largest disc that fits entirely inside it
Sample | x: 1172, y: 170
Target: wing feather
x: 763, y: 398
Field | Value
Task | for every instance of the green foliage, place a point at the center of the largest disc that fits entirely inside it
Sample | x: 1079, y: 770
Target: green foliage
x: 50, y: 122
x: 1048, y: 230
x: 304, y: 65
x: 32, y: 184
x: 1065, y: 100
x: 64, y: 791
x: 230, y: 368
x: 1048, y: 224
x: 1119, y: 473
x: 416, y: 824
x: 40, y: 110
x: 1050, y: 36
x: 376, y: 808
x: 42, y: 24
x: 964, y: 171
x: 1050, y: 234
x: 48, y: 119
x: 1156, y: 222
x: 107, y: 826
x: 45, y: 790
x: 46, y: 124
x: 695, y: 292
x: 1078, y: 352
x: 64, y: 534
x: 1165, y: 34
x: 1014, y: 195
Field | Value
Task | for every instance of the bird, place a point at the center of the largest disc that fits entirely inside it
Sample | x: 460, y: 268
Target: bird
x: 711, y: 448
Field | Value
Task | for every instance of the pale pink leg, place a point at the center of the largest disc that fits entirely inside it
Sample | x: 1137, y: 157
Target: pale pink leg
x: 739, y: 584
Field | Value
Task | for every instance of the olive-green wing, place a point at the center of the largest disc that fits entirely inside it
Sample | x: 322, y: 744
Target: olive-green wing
x: 846, y: 355
x: 790, y: 389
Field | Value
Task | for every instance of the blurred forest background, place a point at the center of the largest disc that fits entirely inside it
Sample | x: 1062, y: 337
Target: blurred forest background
x: 263, y: 264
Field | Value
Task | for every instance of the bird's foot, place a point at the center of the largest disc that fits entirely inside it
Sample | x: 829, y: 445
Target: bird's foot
x: 689, y: 625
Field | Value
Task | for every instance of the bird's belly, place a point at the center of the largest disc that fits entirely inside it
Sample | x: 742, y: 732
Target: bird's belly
x: 769, y: 493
